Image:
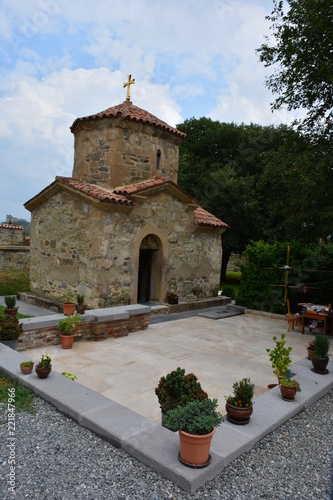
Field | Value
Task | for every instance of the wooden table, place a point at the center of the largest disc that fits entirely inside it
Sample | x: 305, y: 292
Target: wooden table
x: 323, y: 316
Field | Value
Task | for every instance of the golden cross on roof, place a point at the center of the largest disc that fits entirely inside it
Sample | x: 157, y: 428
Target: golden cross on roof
x: 127, y: 84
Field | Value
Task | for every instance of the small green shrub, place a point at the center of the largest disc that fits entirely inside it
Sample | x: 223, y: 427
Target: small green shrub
x: 80, y: 299
x: 321, y: 346
x: 67, y: 325
x: 280, y: 357
x: 242, y: 394
x: 178, y: 389
x: 70, y: 376
x: 228, y: 291
x: 10, y: 301
x: 10, y: 329
x: 197, y: 417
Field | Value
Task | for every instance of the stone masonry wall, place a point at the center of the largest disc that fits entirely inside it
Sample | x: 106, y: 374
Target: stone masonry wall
x: 14, y: 258
x: 78, y: 247
x: 11, y: 235
x: 90, y: 330
x: 112, y: 152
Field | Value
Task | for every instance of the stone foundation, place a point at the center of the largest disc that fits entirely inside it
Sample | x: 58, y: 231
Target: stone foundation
x: 97, y: 325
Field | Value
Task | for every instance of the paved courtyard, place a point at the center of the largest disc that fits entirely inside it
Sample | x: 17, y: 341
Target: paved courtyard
x: 218, y: 352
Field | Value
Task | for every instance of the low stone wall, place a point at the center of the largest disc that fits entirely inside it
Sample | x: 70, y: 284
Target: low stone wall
x: 14, y: 258
x: 96, y: 325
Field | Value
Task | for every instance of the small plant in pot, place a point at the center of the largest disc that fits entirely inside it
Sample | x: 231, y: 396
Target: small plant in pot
x: 26, y: 367
x: 288, y: 388
x: 196, y: 422
x: 320, y: 358
x: 68, y: 300
x: 172, y: 298
x: 310, y: 350
x: 67, y: 327
x: 44, y: 367
x: 80, y: 306
x: 280, y: 357
x: 178, y: 389
x: 239, y: 406
x: 10, y: 331
x: 10, y: 309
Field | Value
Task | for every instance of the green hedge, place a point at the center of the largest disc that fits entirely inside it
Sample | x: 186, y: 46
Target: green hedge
x: 263, y: 280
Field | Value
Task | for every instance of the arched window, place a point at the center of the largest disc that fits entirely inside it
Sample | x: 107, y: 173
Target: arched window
x: 158, y: 159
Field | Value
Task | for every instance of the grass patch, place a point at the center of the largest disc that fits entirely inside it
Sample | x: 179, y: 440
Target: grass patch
x: 13, y: 282
x: 24, y: 397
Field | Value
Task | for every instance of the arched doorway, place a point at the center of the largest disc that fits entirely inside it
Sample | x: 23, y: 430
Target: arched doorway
x: 149, y: 276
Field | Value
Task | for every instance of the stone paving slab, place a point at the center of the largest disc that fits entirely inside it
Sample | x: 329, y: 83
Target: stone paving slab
x: 151, y: 443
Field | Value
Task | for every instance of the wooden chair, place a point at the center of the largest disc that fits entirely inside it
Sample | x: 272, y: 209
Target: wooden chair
x: 293, y: 319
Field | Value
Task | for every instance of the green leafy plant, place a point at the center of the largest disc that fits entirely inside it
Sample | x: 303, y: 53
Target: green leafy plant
x: 242, y: 394
x: 10, y: 301
x: 321, y: 346
x: 69, y: 375
x: 10, y: 329
x: 280, y: 357
x: 197, y: 417
x: 68, y: 324
x: 80, y: 299
x: 229, y: 291
x: 178, y: 389
x: 68, y: 298
x: 45, y: 360
x: 27, y: 363
x: 287, y: 382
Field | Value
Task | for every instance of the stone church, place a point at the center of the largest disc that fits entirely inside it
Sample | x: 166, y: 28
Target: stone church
x: 120, y: 230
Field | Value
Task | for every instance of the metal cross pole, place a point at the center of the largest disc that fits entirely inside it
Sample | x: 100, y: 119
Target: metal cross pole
x: 127, y: 84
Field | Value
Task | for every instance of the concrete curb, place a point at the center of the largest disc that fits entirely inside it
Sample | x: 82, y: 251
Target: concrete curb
x: 156, y: 446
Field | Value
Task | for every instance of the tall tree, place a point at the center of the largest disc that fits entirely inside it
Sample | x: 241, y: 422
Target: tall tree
x: 302, y: 53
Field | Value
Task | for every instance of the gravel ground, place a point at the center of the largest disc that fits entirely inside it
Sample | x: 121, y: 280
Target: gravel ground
x: 58, y: 459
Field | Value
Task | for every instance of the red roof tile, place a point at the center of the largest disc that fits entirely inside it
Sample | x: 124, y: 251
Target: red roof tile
x: 94, y: 191
x: 10, y: 226
x: 127, y: 110
x: 142, y: 186
x: 204, y: 218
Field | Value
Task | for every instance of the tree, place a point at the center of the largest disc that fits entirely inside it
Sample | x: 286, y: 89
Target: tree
x: 303, y: 48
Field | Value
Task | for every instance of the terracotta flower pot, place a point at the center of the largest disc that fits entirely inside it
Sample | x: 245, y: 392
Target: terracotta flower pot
x: 319, y: 364
x: 11, y: 312
x: 26, y: 370
x: 194, y: 450
x: 311, y: 352
x: 43, y: 372
x: 67, y: 341
x: 68, y: 308
x: 238, y: 416
x: 81, y: 309
x: 288, y: 393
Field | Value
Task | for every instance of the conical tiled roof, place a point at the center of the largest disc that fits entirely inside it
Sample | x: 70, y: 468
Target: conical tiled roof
x: 128, y: 111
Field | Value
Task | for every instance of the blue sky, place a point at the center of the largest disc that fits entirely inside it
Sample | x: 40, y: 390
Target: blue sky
x: 62, y: 59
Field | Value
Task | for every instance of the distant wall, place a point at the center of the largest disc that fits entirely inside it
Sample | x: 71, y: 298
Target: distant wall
x: 14, y: 248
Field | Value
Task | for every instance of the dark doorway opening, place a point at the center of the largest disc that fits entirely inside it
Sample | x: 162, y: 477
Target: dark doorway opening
x: 144, y: 284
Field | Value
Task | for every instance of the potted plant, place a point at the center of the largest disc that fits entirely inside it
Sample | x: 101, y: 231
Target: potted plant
x: 44, y: 367
x: 310, y: 350
x: 26, y: 367
x: 239, y: 407
x: 280, y: 357
x: 80, y: 306
x: 10, y: 330
x: 68, y: 300
x: 178, y: 389
x: 196, y: 422
x: 67, y: 327
x: 172, y: 298
x: 320, y: 357
x: 10, y: 309
x: 288, y: 388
